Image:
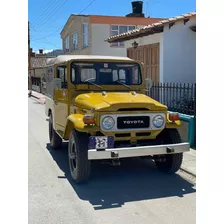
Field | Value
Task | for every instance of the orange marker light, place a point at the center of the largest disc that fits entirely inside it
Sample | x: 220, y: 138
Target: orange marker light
x: 89, y: 119
x: 174, y: 117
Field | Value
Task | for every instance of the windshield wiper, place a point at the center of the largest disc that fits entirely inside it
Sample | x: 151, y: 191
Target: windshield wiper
x: 88, y: 80
x: 123, y: 84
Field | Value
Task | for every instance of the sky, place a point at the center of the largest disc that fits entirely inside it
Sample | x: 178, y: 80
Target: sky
x: 47, y: 17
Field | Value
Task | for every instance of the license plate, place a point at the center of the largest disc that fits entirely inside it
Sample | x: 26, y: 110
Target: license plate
x: 101, y: 142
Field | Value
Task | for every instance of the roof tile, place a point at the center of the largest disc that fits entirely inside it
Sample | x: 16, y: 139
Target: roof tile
x: 148, y: 27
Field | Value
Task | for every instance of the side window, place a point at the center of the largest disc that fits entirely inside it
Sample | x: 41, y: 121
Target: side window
x: 73, y: 76
x: 122, y: 74
x: 62, y: 74
x: 135, y: 75
x: 115, y: 75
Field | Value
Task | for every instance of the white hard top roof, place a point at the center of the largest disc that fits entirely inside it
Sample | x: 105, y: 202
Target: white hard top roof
x: 65, y: 58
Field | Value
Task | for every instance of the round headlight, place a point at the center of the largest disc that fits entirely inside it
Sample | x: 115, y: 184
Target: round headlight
x: 108, y: 123
x: 158, y: 121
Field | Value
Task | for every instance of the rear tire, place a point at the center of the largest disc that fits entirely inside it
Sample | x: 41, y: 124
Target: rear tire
x: 55, y: 139
x: 170, y: 163
x: 78, y: 156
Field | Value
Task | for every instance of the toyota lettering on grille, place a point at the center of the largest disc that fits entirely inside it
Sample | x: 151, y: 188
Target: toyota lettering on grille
x: 134, y: 122
x: 129, y: 122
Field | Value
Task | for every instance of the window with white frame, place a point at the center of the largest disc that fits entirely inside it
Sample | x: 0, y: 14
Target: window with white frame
x: 67, y: 44
x: 75, y: 41
x: 119, y: 29
x: 85, y: 35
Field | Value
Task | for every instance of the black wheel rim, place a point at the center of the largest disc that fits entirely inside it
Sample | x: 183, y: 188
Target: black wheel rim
x: 72, y: 157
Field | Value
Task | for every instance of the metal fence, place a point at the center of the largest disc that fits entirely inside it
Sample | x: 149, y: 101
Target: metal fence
x: 178, y: 97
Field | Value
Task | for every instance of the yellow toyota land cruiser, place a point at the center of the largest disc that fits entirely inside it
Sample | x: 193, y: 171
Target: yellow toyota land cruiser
x: 98, y: 104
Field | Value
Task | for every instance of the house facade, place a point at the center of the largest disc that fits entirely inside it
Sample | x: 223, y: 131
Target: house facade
x: 38, y: 70
x: 85, y: 34
x: 167, y: 48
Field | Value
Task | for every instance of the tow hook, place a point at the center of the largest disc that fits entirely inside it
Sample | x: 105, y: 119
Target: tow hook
x: 169, y: 149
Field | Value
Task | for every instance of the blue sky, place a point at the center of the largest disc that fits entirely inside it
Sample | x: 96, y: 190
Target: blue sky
x: 48, y: 16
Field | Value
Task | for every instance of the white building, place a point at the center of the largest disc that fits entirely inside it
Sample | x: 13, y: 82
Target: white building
x: 86, y: 34
x: 167, y: 48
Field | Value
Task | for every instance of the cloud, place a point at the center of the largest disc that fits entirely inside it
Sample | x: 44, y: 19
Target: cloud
x: 47, y: 51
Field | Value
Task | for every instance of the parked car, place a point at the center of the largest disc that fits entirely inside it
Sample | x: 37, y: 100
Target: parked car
x: 98, y: 104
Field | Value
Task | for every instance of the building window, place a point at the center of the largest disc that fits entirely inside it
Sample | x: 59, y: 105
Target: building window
x: 119, y: 29
x: 75, y: 41
x: 67, y: 44
x: 85, y: 35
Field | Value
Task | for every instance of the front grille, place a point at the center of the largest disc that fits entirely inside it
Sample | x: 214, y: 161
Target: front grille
x: 133, y: 122
x: 143, y: 134
x: 122, y: 135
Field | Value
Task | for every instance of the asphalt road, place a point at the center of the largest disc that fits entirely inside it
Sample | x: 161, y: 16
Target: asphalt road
x: 134, y: 192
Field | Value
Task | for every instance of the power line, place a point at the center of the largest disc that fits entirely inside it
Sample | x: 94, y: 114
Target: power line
x: 47, y: 42
x: 56, y: 31
x: 87, y: 6
x: 48, y: 6
x: 53, y: 12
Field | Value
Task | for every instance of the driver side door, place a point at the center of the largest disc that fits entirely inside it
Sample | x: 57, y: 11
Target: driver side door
x: 61, y: 100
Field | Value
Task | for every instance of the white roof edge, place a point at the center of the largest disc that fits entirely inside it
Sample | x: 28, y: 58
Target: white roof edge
x: 65, y: 58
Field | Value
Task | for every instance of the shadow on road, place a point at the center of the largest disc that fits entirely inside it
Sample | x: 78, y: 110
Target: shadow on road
x: 134, y: 180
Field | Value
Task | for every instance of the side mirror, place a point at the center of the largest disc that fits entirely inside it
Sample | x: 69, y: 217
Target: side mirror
x: 56, y: 83
x: 148, y: 83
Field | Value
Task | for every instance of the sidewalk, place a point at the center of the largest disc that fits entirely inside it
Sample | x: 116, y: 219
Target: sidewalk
x: 189, y: 159
x: 39, y: 96
x: 189, y: 162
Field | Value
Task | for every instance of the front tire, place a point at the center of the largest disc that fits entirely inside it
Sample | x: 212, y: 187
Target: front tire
x: 169, y: 163
x: 55, y: 140
x: 78, y: 156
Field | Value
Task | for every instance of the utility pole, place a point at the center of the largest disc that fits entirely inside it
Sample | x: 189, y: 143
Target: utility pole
x: 29, y: 65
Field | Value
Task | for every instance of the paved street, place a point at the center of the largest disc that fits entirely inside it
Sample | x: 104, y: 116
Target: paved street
x: 134, y: 192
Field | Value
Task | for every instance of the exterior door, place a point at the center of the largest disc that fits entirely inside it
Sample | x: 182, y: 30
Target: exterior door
x: 61, y: 101
x: 149, y: 55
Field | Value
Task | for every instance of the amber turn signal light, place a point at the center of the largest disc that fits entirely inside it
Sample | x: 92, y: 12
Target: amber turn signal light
x: 174, y: 117
x: 88, y: 119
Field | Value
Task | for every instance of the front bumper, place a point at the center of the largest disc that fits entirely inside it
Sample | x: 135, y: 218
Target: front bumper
x: 93, y: 154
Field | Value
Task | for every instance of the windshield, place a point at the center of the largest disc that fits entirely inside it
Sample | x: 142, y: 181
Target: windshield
x: 110, y: 73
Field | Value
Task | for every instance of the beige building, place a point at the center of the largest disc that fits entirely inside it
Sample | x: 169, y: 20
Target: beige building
x: 38, y: 70
x: 86, y: 34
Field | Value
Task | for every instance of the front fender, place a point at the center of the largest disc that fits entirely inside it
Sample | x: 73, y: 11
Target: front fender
x: 75, y: 121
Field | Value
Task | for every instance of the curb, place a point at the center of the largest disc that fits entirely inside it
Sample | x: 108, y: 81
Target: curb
x: 35, y: 97
x: 188, y: 171
x: 40, y: 99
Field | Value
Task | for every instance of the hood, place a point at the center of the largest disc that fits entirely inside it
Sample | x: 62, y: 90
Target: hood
x: 112, y: 101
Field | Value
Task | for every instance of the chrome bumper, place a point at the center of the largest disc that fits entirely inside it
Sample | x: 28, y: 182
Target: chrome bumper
x: 93, y: 154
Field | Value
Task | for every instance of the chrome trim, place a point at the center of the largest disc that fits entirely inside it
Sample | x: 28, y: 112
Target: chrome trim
x: 93, y: 154
x: 115, y: 116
